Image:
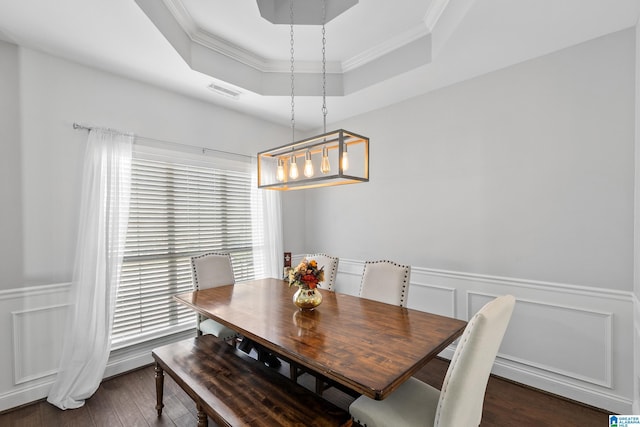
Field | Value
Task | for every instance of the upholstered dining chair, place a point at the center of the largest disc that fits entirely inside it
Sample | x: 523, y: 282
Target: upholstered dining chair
x: 386, y: 281
x: 210, y: 270
x: 330, y: 264
x: 459, y: 402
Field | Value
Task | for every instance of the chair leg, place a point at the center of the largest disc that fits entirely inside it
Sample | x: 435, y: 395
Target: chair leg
x: 320, y: 387
x: 245, y: 345
x: 159, y: 388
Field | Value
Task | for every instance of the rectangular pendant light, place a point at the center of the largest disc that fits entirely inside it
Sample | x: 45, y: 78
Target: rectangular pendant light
x: 334, y: 158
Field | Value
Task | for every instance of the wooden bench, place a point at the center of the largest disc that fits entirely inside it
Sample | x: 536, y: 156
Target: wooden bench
x: 237, y: 390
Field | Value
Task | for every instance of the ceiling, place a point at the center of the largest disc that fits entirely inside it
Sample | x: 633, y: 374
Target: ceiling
x: 378, y: 52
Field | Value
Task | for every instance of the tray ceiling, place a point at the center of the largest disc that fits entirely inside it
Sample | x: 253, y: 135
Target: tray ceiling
x: 378, y: 52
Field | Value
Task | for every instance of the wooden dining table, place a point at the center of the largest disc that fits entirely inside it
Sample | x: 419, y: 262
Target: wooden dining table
x: 364, y: 345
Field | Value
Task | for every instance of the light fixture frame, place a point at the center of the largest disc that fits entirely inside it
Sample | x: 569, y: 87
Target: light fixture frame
x: 337, y: 139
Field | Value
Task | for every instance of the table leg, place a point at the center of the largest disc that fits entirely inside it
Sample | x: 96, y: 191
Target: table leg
x: 159, y: 388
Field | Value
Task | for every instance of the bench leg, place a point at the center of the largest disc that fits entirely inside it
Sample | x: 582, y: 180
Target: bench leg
x: 319, y: 386
x: 203, y: 421
x: 159, y: 388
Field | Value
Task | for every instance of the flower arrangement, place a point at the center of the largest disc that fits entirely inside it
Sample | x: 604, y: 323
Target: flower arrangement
x: 306, y: 275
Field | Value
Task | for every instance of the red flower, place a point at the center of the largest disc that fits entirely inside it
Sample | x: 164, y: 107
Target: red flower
x: 310, y: 278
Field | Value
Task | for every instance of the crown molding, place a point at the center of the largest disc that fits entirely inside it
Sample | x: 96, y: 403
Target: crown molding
x: 258, y: 62
x: 262, y: 64
x: 385, y: 48
x: 433, y: 14
x: 228, y: 49
x: 181, y: 15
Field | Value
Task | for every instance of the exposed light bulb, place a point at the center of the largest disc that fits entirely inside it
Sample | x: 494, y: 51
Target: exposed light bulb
x: 325, y: 165
x: 308, y: 166
x: 345, y: 159
x: 280, y: 170
x: 293, y: 171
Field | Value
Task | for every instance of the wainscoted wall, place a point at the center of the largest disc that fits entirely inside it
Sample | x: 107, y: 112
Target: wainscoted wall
x: 573, y: 341
x: 32, y: 324
x: 569, y: 340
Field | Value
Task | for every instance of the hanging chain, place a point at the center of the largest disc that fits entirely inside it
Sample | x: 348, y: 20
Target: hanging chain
x: 293, y: 116
x: 324, y: 67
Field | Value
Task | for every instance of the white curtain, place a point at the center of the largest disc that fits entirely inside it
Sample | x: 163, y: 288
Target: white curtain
x: 274, y: 262
x: 269, y: 218
x: 103, y: 220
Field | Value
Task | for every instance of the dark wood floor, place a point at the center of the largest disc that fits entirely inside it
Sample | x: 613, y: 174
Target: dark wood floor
x: 129, y: 401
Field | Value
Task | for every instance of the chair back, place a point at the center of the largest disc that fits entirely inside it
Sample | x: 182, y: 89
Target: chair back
x: 212, y: 269
x: 330, y: 265
x: 465, y: 383
x: 386, y: 281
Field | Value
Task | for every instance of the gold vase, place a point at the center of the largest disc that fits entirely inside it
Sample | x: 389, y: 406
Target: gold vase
x: 307, y: 299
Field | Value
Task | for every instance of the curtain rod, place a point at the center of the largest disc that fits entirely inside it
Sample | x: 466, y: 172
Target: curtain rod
x: 79, y: 126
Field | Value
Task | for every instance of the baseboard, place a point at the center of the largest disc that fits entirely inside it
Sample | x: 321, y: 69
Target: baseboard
x: 17, y: 398
x: 120, y: 362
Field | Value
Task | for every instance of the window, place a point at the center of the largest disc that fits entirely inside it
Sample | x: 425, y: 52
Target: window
x: 181, y: 207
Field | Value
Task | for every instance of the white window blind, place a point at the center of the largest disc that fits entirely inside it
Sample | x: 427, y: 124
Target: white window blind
x: 181, y: 208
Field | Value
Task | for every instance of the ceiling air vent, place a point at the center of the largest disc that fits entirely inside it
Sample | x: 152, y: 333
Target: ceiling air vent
x: 224, y: 91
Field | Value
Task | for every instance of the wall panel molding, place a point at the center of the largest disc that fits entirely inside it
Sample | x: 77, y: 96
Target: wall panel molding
x: 571, y: 340
x: 433, y: 298
x: 32, y: 320
x: 33, y: 330
x: 562, y: 288
x: 597, y: 324
x: 33, y: 291
x: 353, y: 267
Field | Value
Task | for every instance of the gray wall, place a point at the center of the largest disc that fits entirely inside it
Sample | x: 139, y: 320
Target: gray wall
x: 10, y: 178
x: 40, y: 98
x: 636, y: 288
x: 637, y: 181
x: 527, y: 172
